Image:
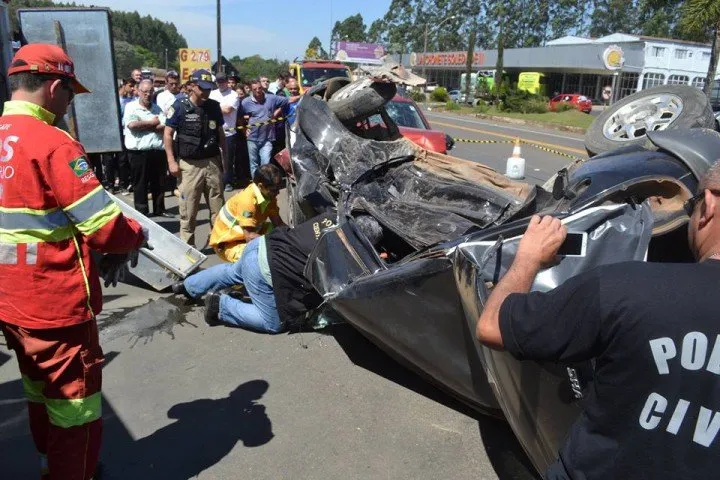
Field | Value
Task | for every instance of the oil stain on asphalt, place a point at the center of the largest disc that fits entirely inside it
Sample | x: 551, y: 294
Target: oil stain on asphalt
x: 141, y: 323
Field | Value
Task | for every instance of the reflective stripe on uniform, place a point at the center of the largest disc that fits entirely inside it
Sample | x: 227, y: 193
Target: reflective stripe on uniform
x: 31, y: 253
x: 99, y: 219
x: 229, y: 220
x: 33, y: 236
x: 33, y: 390
x: 20, y: 220
x: 68, y: 413
x: 89, y: 205
x: 8, y: 254
x: 27, y: 225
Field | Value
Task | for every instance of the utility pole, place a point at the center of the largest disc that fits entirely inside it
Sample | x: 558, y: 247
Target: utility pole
x: 219, y: 41
x: 166, y: 60
x: 425, y: 51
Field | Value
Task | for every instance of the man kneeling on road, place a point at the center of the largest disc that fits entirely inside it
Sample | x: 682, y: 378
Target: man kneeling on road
x: 245, y: 215
x: 652, y: 329
x: 271, y: 268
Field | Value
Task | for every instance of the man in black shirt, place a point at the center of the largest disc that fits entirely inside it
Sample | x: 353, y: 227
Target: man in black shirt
x: 193, y: 140
x: 652, y: 329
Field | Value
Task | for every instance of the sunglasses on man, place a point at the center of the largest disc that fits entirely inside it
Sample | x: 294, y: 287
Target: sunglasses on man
x: 690, y: 203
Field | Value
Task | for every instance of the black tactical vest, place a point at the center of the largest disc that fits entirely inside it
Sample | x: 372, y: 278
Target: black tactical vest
x: 195, y: 139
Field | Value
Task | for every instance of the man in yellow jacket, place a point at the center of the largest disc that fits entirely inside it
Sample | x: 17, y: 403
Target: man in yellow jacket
x: 245, y: 216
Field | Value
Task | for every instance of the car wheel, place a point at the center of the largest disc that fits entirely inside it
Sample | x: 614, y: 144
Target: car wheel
x: 659, y: 108
x: 360, y: 99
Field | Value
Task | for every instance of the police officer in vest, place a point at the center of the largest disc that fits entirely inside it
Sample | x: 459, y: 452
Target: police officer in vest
x: 194, y: 140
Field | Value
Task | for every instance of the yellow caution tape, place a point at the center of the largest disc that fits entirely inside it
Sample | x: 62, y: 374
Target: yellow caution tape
x: 525, y: 142
x: 260, y: 124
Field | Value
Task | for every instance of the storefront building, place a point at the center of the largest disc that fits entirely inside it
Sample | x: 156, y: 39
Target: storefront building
x: 625, y: 63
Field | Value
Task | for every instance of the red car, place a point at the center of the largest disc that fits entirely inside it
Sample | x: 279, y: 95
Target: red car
x: 581, y: 102
x: 414, y: 126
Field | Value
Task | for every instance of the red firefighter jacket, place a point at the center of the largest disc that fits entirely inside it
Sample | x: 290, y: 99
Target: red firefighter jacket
x: 53, y: 211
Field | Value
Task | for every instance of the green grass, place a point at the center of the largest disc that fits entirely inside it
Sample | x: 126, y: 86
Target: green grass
x: 570, y: 118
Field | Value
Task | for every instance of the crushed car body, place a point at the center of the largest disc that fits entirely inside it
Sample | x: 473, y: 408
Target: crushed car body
x: 450, y: 231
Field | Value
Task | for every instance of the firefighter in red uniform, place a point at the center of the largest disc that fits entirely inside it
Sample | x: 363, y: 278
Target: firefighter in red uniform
x: 53, y: 211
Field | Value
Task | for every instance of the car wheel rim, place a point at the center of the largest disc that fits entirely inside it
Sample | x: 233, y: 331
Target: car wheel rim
x: 643, y: 115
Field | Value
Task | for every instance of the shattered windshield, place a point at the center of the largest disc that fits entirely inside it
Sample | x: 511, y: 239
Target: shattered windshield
x: 405, y: 115
x: 312, y: 76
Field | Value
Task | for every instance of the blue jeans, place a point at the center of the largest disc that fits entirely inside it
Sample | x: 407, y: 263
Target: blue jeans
x: 261, y: 314
x: 259, y: 153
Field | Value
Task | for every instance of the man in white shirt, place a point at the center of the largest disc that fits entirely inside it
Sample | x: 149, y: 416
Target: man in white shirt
x: 167, y: 97
x: 229, y: 104
x: 144, y: 123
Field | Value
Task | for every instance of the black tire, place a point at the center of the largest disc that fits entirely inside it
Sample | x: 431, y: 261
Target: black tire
x: 696, y: 113
x: 360, y: 99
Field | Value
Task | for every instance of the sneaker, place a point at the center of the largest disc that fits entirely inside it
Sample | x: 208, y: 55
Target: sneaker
x: 228, y: 188
x: 178, y: 288
x: 212, y: 308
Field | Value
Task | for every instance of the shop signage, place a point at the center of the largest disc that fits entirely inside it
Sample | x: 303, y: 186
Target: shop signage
x: 447, y: 58
x: 613, y: 57
x: 192, y: 59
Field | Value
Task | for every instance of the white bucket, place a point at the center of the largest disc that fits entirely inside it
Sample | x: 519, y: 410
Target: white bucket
x: 515, y: 168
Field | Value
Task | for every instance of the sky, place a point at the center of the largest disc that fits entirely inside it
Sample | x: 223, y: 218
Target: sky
x: 273, y: 29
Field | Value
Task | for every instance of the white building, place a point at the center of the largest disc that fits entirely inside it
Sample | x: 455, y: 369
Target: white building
x: 577, y: 65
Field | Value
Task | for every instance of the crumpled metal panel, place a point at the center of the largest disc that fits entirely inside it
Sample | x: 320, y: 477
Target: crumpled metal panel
x: 348, y: 155
x: 410, y: 309
x: 170, y: 260
x: 424, y: 198
x: 413, y: 312
x: 541, y: 401
x: 341, y: 255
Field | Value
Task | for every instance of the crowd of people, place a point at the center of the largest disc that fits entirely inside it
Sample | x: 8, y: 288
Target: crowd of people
x: 254, y: 114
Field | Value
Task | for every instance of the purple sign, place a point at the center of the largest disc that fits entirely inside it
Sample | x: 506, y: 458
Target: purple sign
x: 367, y: 53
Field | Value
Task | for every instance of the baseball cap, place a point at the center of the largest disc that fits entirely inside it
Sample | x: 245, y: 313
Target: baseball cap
x: 221, y: 77
x: 203, y: 78
x: 43, y: 58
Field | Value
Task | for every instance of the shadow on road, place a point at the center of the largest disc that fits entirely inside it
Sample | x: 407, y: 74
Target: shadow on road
x: 503, y: 450
x: 204, y: 431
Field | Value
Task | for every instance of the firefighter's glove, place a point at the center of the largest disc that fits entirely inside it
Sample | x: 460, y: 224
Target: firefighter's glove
x: 134, y: 256
x: 113, y: 268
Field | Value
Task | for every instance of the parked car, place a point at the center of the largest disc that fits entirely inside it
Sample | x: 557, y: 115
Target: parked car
x: 450, y: 231
x: 430, y: 86
x: 414, y: 126
x: 456, y: 96
x: 581, y: 102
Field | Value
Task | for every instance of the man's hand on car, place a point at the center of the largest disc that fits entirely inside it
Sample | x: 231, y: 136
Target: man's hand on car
x: 541, y: 241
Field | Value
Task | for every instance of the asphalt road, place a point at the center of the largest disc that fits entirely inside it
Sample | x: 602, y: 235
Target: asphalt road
x: 540, y: 164
x: 183, y: 400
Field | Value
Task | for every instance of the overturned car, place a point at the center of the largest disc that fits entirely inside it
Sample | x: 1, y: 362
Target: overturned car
x: 451, y: 228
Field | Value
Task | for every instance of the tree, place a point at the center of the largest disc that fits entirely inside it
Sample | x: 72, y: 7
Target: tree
x: 377, y: 31
x: 468, y: 62
x: 255, y: 66
x: 500, y: 63
x: 611, y: 16
x: 351, y: 29
x: 315, y: 49
x: 699, y: 16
